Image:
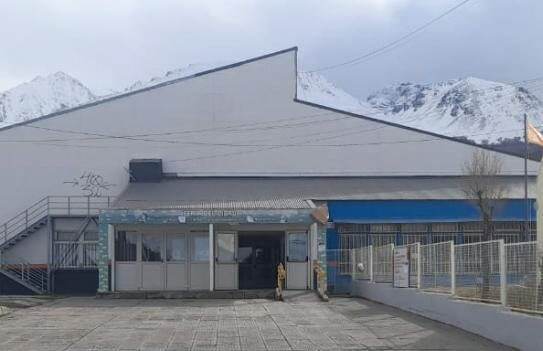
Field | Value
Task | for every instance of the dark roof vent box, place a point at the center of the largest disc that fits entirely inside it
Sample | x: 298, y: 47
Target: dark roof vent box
x: 145, y: 170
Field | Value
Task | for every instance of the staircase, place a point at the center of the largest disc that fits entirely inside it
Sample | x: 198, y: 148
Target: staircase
x: 32, y: 276
x: 28, y: 275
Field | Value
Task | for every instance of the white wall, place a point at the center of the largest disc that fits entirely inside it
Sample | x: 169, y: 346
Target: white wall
x: 493, y: 322
x: 259, y: 92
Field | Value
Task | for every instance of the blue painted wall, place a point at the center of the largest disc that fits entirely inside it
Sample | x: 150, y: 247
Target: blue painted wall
x: 405, y: 211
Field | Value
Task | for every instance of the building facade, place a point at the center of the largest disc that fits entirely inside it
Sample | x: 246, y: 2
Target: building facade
x: 228, y: 168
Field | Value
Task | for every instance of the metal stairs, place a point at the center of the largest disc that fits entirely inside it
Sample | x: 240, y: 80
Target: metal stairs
x: 35, y: 276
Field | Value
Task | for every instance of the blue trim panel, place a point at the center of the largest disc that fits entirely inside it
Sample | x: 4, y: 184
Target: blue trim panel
x: 405, y: 211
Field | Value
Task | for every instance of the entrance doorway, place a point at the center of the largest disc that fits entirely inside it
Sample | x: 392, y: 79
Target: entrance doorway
x: 259, y: 254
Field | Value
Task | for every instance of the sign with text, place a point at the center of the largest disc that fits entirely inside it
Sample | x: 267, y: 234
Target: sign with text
x: 401, y: 268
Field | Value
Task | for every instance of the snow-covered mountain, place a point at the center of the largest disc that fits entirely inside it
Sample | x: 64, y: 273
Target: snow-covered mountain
x: 478, y: 109
x: 316, y: 88
x: 41, y: 96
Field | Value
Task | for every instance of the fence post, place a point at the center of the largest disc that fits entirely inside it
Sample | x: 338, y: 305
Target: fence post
x: 392, y: 263
x: 88, y: 206
x: 419, y: 266
x: 353, y: 263
x: 503, y: 275
x: 26, y: 219
x: 453, y: 269
x: 69, y: 202
x: 371, y: 263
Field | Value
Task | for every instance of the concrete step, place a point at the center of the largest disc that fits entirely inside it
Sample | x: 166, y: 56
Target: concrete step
x: 193, y: 294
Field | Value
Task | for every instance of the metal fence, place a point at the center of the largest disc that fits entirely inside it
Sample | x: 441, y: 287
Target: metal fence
x: 523, y: 276
x: 478, y: 270
x: 363, y: 262
x: 435, y: 264
x: 490, y: 271
x: 75, y: 254
x: 382, y: 263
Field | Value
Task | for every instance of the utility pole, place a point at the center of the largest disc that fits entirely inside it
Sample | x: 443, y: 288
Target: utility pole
x: 526, y: 203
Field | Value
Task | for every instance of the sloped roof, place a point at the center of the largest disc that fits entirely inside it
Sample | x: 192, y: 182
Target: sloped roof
x: 292, y: 192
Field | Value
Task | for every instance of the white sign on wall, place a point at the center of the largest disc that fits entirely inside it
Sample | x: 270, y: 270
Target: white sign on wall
x: 401, y: 268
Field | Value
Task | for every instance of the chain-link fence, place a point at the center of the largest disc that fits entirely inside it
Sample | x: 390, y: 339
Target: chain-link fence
x: 435, y: 262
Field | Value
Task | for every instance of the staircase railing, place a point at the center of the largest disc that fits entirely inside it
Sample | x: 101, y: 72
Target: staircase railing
x: 52, y: 205
x: 32, y: 274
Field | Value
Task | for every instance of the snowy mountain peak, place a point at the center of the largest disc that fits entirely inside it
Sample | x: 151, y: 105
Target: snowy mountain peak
x: 41, y: 96
x: 479, y: 109
x: 316, y: 88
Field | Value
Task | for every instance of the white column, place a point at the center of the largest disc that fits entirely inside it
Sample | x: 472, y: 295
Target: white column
x: 111, y: 251
x: 211, y: 258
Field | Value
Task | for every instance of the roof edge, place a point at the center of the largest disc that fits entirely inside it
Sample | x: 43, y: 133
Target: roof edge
x: 160, y: 85
x: 392, y: 124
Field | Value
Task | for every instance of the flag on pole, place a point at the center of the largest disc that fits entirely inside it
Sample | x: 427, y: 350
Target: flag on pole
x: 533, y: 135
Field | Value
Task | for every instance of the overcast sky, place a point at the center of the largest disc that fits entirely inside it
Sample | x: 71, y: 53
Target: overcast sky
x: 108, y: 45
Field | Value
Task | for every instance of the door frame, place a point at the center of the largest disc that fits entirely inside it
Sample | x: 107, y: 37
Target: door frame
x: 290, y: 266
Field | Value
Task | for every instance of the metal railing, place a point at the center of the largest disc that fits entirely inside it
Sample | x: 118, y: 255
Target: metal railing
x: 489, y: 271
x: 52, y: 205
x: 31, y: 274
x: 75, y: 254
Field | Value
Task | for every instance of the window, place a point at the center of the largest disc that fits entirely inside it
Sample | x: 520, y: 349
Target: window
x: 175, y: 247
x: 67, y: 236
x: 226, y: 246
x: 126, y: 244
x: 200, y: 248
x: 151, y: 248
x: 297, y: 247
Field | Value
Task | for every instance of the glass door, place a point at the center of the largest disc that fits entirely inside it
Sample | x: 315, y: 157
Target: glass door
x: 297, y: 260
x: 226, y: 262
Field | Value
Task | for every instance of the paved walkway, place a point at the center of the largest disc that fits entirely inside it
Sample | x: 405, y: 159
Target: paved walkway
x: 300, y: 323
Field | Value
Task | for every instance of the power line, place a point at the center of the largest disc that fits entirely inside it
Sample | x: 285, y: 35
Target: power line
x: 383, y: 48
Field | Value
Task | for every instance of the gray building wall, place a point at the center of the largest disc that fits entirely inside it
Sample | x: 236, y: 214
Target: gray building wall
x: 241, y: 120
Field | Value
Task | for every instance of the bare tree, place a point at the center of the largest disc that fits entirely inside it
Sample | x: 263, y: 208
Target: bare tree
x: 484, y: 186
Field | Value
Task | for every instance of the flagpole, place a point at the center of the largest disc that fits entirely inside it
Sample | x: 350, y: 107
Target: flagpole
x: 527, y: 207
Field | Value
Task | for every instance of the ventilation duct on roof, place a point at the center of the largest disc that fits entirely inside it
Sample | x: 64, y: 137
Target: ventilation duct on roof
x: 145, y: 170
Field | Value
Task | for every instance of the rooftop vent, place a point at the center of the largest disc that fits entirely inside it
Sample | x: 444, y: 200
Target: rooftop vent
x: 145, y: 170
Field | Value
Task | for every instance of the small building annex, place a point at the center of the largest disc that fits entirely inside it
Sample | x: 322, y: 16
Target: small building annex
x: 210, y: 181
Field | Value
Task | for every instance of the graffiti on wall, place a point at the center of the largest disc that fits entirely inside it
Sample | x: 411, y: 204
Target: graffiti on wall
x: 91, y: 183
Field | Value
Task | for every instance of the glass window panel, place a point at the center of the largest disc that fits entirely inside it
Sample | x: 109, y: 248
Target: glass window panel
x: 297, y: 247
x: 151, y: 245
x: 67, y: 236
x: 200, y: 248
x: 226, y: 247
x: 175, y: 247
x: 245, y: 254
x: 126, y: 246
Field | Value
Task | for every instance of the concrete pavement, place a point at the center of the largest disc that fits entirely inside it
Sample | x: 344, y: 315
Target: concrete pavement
x: 301, y: 323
